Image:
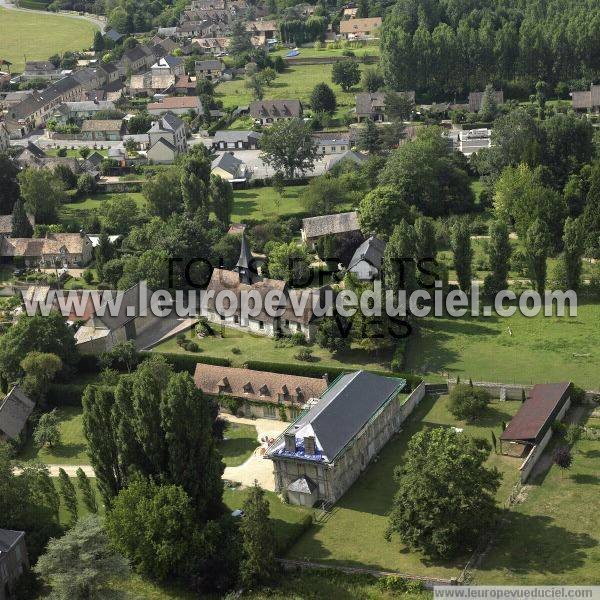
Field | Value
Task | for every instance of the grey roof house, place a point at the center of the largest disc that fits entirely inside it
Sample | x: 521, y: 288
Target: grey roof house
x: 270, y: 111
x: 13, y: 561
x: 367, y: 258
x: 228, y: 167
x: 476, y: 98
x: 371, y: 105
x: 321, y: 454
x: 230, y: 140
x: 314, y: 228
x: 15, y: 409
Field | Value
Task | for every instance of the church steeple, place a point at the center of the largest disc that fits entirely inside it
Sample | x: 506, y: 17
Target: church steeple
x: 245, y: 265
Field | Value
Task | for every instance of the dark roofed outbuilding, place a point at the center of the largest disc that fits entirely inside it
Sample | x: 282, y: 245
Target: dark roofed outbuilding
x: 14, y: 412
x: 538, y: 412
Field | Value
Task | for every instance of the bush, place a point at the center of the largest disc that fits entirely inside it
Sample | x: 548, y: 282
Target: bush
x: 186, y: 362
x: 392, y: 583
x: 467, y: 402
x: 304, y: 355
x: 232, y: 404
x: 62, y: 152
x: 191, y: 347
x: 65, y: 394
x: 559, y: 429
x: 180, y: 337
x: 577, y: 395
x: 298, y: 339
x: 573, y: 433
x: 236, y: 350
x: 88, y: 276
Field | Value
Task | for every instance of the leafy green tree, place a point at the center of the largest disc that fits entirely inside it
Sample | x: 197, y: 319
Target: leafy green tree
x: 152, y: 525
x: 9, y: 185
x: 368, y: 138
x: 460, y: 242
x: 81, y: 564
x: 87, y: 492
x: 322, y: 99
x: 467, y: 402
x: 573, y: 250
x: 398, y: 107
x: 538, y: 243
x: 98, y: 44
x: 163, y: 193
x: 428, y: 177
x: 42, y: 192
x: 255, y: 83
x: 398, y: 259
x: 47, y: 431
x: 40, y: 369
x: 346, y: 73
x: 287, y: 146
x: 258, y: 541
x: 47, y: 334
x: 425, y: 239
x: 84, y: 151
x: 86, y: 185
x: 289, y: 262
x: 499, y: 251
x: 140, y: 123
x: 372, y: 80
x: 187, y: 422
x: 489, y: 105
x: 122, y: 356
x: 21, y: 226
x: 240, y: 39
x: 322, y: 195
x: 445, y: 499
x: 64, y: 174
x: 68, y: 493
x: 222, y: 199
x: 329, y: 336
x: 103, y: 253
x: 119, y: 214
x: 381, y: 209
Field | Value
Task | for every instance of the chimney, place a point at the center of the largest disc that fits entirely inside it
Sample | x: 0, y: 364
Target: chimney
x: 290, y: 442
x: 309, y: 445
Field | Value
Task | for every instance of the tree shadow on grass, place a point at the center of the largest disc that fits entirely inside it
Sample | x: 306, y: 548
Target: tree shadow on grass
x: 584, y: 478
x: 591, y: 453
x: 67, y: 451
x: 244, y: 207
x: 236, y: 451
x: 530, y: 544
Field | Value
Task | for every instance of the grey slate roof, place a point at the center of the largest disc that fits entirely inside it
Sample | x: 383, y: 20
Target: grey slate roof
x: 260, y: 109
x: 113, y: 35
x: 14, y: 412
x: 236, y: 136
x: 371, y: 250
x: 341, y: 413
x: 350, y: 155
x: 330, y: 224
x: 168, y: 122
x: 228, y: 162
x: 245, y: 261
x: 374, y: 102
x: 129, y: 298
x: 8, y: 538
x: 212, y: 65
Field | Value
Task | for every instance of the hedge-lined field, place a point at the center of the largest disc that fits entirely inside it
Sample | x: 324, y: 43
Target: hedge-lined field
x: 35, y: 36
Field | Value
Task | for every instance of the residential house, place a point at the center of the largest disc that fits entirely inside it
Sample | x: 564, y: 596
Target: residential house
x: 184, y: 86
x: 210, y: 69
x: 136, y: 59
x: 173, y: 65
x: 367, y: 259
x: 476, y: 98
x: 13, y: 561
x: 110, y: 72
x: 270, y: 111
x: 167, y: 139
x: 15, y: 409
x: 349, y: 156
x: 588, y: 100
x: 228, y: 167
x: 231, y: 140
x: 212, y: 45
x: 64, y: 249
x: 131, y: 320
x: 86, y: 109
x: 332, y: 143
x: 353, y: 29
x: 113, y: 36
x: 166, y: 45
x: 267, y: 30
x: 314, y: 228
x: 102, y: 130
x: 470, y: 141
x: 371, y: 105
x: 322, y: 453
x: 245, y: 277
x: 262, y: 394
x: 40, y: 69
x: 4, y: 137
x: 177, y: 105
x: 350, y: 13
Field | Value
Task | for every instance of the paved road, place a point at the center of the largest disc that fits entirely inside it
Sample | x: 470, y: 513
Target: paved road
x: 96, y: 20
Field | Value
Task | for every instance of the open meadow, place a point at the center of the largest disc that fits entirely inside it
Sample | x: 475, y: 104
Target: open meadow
x: 35, y: 36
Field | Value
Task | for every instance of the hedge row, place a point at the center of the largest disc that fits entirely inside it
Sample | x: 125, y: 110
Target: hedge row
x: 65, y: 394
x: 313, y: 370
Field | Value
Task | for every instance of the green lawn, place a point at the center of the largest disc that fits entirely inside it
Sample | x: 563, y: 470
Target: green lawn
x: 354, y: 532
x: 553, y: 538
x: 72, y: 153
x: 238, y: 445
x: 264, y: 204
x: 86, y: 206
x: 516, y: 349
x: 371, y: 49
x: 265, y: 348
x: 294, y: 83
x: 72, y: 447
x: 82, y: 510
x: 35, y: 36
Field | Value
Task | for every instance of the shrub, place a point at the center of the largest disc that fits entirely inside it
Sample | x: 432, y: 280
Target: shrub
x: 559, y: 429
x: 62, y: 152
x: 392, y: 583
x: 191, y: 347
x: 298, y: 339
x: 232, y: 404
x: 180, y: 337
x: 573, y: 433
x: 304, y: 355
x: 236, y: 350
x: 467, y: 403
x: 88, y: 276
x: 187, y: 362
x: 577, y: 395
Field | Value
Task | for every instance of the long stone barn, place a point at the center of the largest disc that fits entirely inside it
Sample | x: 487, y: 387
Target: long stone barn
x: 324, y: 451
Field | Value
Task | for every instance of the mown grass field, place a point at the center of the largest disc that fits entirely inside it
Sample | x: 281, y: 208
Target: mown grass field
x: 35, y: 36
x: 72, y: 447
x: 327, y: 50
x: 553, y: 538
x: 265, y: 204
x: 238, y: 445
x: 87, y: 206
x: 264, y: 348
x: 515, y: 349
x: 295, y: 82
x: 354, y: 532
